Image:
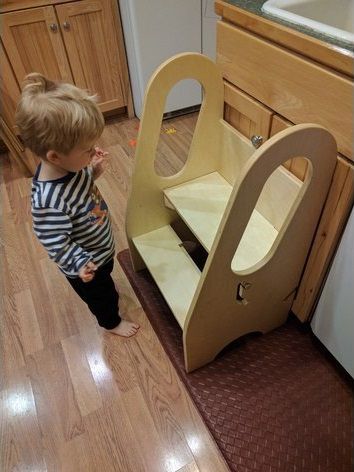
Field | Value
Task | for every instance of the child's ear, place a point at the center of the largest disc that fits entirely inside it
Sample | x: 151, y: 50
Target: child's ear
x: 52, y: 156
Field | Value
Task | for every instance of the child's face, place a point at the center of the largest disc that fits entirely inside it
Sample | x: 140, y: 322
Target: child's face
x: 77, y: 159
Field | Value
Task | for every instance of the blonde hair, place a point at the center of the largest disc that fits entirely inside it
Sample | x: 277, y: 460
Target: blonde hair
x: 56, y: 116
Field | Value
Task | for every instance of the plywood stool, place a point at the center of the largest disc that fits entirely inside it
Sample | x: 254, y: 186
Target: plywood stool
x: 254, y: 218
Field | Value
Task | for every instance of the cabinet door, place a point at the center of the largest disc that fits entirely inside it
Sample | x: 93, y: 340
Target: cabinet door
x: 334, y: 216
x: 24, y: 159
x: 9, y: 89
x: 91, y: 41
x: 246, y: 114
x: 33, y: 43
x: 297, y: 165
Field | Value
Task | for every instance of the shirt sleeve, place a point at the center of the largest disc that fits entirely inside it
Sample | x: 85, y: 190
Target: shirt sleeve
x: 53, y: 228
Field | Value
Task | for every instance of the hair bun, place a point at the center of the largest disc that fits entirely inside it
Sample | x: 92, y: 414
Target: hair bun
x: 35, y: 83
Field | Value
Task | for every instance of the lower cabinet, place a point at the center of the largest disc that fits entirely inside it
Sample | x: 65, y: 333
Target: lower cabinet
x: 89, y: 32
x: 334, y: 216
x: 245, y: 113
x: 251, y: 117
x: 296, y: 166
x: 79, y: 42
x: 9, y: 90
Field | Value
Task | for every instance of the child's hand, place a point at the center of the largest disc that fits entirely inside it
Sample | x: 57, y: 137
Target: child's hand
x: 99, y: 162
x: 87, y: 272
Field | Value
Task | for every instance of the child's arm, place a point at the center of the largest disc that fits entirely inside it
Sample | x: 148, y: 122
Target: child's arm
x: 99, y: 162
x: 53, y: 229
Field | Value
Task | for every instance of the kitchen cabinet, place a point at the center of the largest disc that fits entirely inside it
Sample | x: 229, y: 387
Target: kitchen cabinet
x: 25, y: 160
x: 10, y: 93
x: 33, y: 43
x: 293, y: 79
x: 245, y: 113
x: 9, y: 89
x: 253, y: 119
x: 288, y: 84
x: 297, y: 166
x: 79, y: 42
x: 87, y: 27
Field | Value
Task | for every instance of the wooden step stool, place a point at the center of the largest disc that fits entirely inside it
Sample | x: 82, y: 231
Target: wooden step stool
x: 254, y: 218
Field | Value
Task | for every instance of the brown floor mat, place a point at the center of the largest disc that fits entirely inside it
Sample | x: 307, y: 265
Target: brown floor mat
x: 277, y: 402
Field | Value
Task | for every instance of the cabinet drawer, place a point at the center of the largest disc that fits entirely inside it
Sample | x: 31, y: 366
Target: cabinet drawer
x: 245, y: 113
x: 296, y: 88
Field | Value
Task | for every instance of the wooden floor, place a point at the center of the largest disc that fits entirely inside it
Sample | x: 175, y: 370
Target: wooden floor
x: 74, y: 398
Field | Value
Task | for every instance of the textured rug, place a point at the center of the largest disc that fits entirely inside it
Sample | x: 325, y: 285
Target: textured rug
x: 277, y: 402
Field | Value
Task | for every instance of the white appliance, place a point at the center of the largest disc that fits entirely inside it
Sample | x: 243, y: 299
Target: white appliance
x: 333, y: 321
x: 155, y: 30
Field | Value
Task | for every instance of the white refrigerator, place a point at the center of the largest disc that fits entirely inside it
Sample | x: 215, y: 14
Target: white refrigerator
x: 333, y: 321
x: 155, y: 30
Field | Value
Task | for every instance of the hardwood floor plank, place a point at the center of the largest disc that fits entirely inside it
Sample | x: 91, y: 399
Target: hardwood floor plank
x: 14, y: 267
x: 157, y: 381
x: 62, y: 320
x: 87, y: 395
x: 156, y: 456
x: 192, y: 467
x: 112, y: 441
x: 117, y: 360
x: 93, y: 346
x: 19, y: 430
x: 41, y: 295
x: 205, y: 451
x: 58, y: 412
x: 11, y: 340
x: 76, y: 455
x: 20, y: 206
x: 28, y: 322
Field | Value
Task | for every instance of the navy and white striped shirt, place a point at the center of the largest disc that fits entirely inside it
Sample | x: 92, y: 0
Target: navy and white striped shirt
x: 71, y: 220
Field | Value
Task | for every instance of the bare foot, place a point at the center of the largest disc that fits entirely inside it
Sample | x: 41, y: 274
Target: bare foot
x: 125, y: 329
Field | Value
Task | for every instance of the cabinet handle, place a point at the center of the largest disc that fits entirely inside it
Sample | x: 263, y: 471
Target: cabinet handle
x: 66, y: 25
x: 53, y: 27
x: 256, y: 140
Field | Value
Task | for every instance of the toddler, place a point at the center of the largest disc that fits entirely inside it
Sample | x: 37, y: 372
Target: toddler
x: 60, y: 123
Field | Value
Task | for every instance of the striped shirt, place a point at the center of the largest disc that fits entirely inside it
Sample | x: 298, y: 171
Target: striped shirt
x: 71, y: 220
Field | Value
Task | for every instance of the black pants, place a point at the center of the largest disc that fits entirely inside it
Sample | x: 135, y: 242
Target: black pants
x: 100, y: 295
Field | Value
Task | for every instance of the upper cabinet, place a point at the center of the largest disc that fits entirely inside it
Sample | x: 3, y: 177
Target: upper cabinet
x: 79, y: 42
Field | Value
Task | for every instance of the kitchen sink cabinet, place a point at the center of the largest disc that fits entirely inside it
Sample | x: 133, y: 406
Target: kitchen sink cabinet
x: 274, y: 78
